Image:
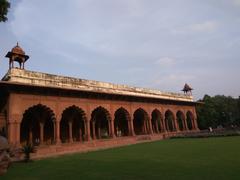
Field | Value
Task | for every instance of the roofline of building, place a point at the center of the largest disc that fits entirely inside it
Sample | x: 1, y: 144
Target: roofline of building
x: 20, y: 76
x: 16, y: 84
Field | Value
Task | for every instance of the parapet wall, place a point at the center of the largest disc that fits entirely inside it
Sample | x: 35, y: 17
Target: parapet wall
x: 49, y: 80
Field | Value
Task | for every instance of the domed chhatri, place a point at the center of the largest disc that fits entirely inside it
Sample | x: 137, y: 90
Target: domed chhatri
x: 187, y: 89
x: 17, y: 54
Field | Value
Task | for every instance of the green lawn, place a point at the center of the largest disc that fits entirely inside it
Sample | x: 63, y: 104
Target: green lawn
x: 206, y: 158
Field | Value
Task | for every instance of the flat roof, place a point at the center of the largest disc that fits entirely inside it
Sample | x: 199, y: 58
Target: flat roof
x: 32, y: 78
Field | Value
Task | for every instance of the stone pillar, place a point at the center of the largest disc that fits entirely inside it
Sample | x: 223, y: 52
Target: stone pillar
x: 163, y: 125
x: 144, y: 127
x: 194, y: 124
x: 13, y: 129
x: 87, y: 130
x: 17, y: 126
x: 167, y: 125
x: 186, y: 126
x: 176, y: 124
x: 129, y: 128
x: 41, y: 132
x: 112, y: 129
x: 70, y: 131
x: 11, y: 133
x: 150, y: 126
x: 57, y: 132
x: 132, y: 127
x: 94, y: 130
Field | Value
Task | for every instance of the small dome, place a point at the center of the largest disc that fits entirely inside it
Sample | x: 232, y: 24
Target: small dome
x: 18, y: 50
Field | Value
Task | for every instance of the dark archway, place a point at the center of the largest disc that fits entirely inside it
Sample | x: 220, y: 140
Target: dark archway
x: 121, y: 120
x: 157, y: 121
x: 169, y: 121
x: 72, y: 125
x: 100, y: 122
x: 180, y: 120
x: 37, y: 126
x: 190, y: 119
x: 140, y: 122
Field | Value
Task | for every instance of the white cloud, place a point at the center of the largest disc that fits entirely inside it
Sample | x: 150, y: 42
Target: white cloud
x: 172, y: 82
x: 204, y: 27
x: 166, y: 61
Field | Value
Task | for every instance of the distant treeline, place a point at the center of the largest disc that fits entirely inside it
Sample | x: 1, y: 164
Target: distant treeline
x: 219, y: 111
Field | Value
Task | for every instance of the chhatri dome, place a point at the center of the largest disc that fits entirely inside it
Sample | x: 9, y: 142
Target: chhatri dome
x: 17, y: 54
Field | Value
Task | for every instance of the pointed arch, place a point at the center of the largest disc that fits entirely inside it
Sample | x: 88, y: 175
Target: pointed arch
x: 156, y: 121
x: 140, y: 122
x: 190, y: 119
x: 72, y: 124
x: 37, y: 125
x: 121, y: 119
x: 100, y: 123
x: 181, y: 120
x: 169, y: 121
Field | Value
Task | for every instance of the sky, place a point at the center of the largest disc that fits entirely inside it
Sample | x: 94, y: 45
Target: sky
x: 155, y: 44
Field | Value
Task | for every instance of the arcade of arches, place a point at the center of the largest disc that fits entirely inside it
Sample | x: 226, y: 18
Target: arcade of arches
x: 39, y: 125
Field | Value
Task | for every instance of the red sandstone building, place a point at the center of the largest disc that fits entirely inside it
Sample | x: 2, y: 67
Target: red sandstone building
x: 62, y: 114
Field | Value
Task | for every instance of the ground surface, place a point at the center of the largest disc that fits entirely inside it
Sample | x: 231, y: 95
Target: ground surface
x: 206, y: 158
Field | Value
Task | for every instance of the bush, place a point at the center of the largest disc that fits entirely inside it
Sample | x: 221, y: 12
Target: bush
x: 27, y: 149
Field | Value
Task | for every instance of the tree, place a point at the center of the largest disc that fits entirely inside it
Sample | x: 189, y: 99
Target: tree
x: 218, y: 111
x: 4, y: 6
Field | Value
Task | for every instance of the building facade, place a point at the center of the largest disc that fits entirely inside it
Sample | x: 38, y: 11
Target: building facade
x: 64, y: 114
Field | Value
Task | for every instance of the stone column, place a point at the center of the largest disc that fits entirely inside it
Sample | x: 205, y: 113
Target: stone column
x: 87, y: 130
x: 17, y: 126
x: 163, y: 125
x: 129, y: 128
x: 186, y: 126
x: 176, y: 124
x: 41, y: 132
x: 150, y: 126
x: 94, y: 130
x: 112, y: 129
x: 57, y: 132
x: 70, y: 131
x: 195, y: 124
x: 132, y: 128
x: 167, y: 125
x: 144, y: 127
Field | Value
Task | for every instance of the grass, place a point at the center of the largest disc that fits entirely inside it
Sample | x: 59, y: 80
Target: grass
x: 203, y: 158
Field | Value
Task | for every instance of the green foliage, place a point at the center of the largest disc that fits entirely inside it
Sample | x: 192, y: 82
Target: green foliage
x: 198, y: 159
x: 4, y: 6
x: 219, y: 111
x: 27, y: 149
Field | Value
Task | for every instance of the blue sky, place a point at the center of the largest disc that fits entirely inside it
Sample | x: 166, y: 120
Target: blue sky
x: 155, y: 44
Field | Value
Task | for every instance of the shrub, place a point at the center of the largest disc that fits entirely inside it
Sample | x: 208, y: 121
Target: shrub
x: 27, y: 149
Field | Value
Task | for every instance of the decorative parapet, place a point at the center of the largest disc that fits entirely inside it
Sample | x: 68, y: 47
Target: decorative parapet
x: 50, y: 80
